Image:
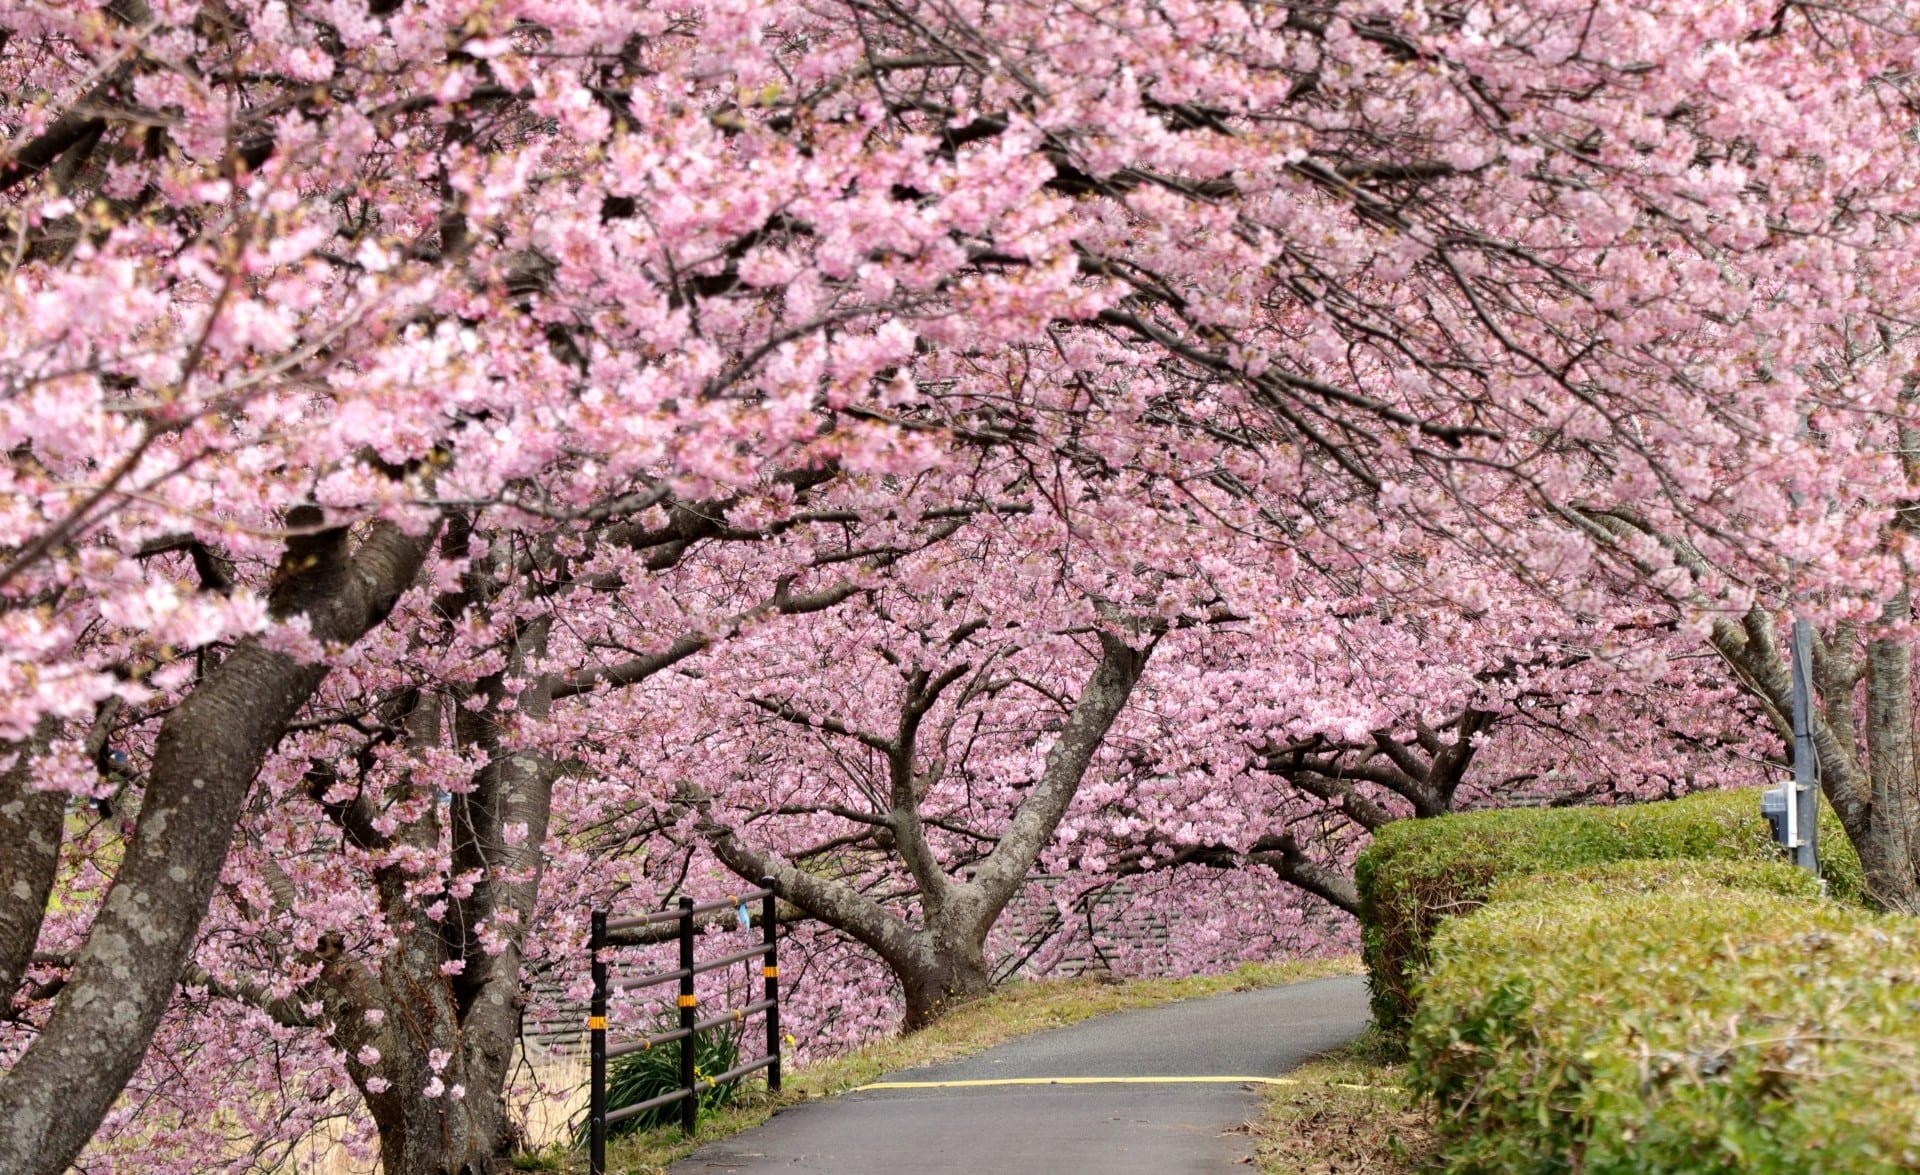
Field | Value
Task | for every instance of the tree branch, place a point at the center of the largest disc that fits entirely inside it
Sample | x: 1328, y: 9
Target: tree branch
x: 1101, y: 700
x: 31, y: 825
x: 208, y: 751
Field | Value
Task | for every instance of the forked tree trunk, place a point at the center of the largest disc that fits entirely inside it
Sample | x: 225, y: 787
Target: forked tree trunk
x: 450, y: 1118
x: 441, y: 1138
x: 948, y: 980
x: 208, y: 751
x: 941, y: 963
x: 463, y: 1127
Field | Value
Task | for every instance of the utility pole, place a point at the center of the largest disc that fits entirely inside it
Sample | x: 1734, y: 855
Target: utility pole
x: 1794, y: 808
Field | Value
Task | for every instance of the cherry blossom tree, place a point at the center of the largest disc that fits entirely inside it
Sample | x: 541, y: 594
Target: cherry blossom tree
x: 378, y: 293
x: 897, y: 768
x: 372, y: 369
x: 1862, y: 657
x: 1302, y: 741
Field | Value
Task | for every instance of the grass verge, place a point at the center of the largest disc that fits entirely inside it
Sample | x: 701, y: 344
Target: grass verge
x: 1014, y: 1011
x: 1348, y: 1116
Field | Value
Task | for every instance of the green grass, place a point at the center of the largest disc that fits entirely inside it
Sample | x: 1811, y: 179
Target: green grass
x: 1349, y: 1115
x: 1013, y: 1011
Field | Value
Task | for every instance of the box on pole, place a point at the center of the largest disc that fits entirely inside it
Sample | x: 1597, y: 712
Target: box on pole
x: 1793, y: 808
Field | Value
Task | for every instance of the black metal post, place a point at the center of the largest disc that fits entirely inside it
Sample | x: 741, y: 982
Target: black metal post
x: 772, y: 972
x: 597, y: 1036
x: 690, y: 1105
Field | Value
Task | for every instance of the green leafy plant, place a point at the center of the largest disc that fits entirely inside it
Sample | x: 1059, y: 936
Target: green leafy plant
x: 548, y: 1158
x: 651, y: 1073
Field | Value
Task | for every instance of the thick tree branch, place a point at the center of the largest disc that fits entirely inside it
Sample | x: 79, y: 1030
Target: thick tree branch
x: 836, y: 903
x: 208, y: 751
x: 1031, y: 829
x: 1284, y: 856
x: 1352, y: 803
x: 31, y: 823
x: 1280, y: 852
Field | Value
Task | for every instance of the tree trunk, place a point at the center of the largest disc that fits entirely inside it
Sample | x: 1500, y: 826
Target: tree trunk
x: 31, y: 823
x: 209, y: 750
x: 1866, y: 763
x: 447, y: 1007
x: 463, y: 1130
x: 942, y: 964
x: 435, y: 1137
x: 947, y: 980
x: 444, y: 1119
x: 1886, y: 842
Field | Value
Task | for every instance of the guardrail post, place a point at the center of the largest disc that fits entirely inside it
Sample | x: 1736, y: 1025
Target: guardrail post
x: 772, y: 972
x: 597, y: 1037
x: 690, y: 1105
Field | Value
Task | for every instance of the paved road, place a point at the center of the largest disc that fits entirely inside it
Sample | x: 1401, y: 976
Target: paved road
x: 1170, y: 1128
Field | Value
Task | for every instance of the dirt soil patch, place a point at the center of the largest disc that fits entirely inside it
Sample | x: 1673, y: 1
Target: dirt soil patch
x: 1348, y: 1116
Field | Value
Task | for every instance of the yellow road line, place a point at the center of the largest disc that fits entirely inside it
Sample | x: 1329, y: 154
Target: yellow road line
x: 981, y: 1082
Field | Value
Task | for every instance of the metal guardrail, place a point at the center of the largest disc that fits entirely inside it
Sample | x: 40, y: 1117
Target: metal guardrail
x: 688, y: 1095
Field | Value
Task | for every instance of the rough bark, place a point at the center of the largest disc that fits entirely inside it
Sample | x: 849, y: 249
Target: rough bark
x: 31, y: 823
x: 1886, y: 843
x: 1105, y: 695
x: 463, y: 1128
x: 440, y: 994
x: 1291, y: 864
x: 405, y: 1005
x: 836, y: 903
x: 206, y: 756
x: 941, y: 963
x: 950, y: 978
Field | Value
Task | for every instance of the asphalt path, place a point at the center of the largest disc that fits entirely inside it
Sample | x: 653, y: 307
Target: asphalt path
x: 1068, y: 1101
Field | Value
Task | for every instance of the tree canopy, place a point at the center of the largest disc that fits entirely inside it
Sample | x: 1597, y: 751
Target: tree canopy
x: 460, y: 451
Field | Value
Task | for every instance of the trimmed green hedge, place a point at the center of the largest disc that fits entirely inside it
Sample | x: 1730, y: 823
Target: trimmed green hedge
x: 1420, y: 873
x: 1653, y: 1019
x: 1637, y: 877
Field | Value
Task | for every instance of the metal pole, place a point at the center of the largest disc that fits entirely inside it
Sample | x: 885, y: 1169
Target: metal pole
x: 597, y: 1037
x: 1804, y: 808
x: 772, y: 972
x: 690, y: 1105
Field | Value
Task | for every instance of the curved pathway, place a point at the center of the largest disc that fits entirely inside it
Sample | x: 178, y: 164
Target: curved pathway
x: 1067, y: 1101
